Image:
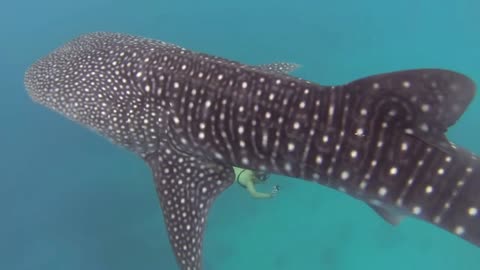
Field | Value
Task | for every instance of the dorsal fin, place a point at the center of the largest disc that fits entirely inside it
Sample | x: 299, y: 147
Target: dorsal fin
x: 422, y: 102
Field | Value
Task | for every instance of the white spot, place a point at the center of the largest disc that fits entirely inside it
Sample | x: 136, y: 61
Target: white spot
x: 291, y: 147
x: 382, y: 191
x: 459, y: 230
x: 302, y: 105
x: 208, y: 103
x: 472, y: 211
x: 359, y: 132
x: 404, y: 146
x: 416, y: 210
x: 241, y: 129
x: 446, y: 205
x: 176, y: 85
x: 296, y: 125
x: 344, y: 175
x: 425, y: 107
x: 363, y: 111
x: 244, y: 85
x: 325, y: 138
x: 201, y: 135
x: 319, y: 160
x: 410, y: 181
x: 331, y: 109
x: 469, y: 169
x: 363, y: 185
x: 175, y: 119
x: 428, y: 189
x: 441, y: 171
x: 376, y: 85
x: 139, y: 74
x: 424, y: 127
x: 448, y: 159
x: 393, y: 170
x: 406, y: 84
x: 268, y: 115
x: 220, y: 77
x: 353, y: 154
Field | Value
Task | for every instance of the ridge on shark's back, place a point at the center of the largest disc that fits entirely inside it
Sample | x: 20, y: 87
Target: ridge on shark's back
x: 192, y: 117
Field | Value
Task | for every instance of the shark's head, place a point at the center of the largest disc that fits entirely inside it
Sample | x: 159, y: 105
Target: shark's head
x: 75, y: 82
x: 102, y: 81
x: 48, y: 83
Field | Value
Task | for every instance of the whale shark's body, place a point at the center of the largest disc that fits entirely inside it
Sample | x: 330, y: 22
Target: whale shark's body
x: 192, y: 117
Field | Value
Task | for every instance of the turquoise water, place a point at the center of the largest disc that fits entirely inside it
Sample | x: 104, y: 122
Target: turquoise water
x: 71, y: 200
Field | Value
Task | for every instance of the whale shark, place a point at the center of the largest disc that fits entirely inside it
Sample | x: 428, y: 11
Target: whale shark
x: 193, y: 117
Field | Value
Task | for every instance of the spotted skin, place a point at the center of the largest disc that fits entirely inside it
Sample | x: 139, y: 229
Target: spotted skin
x: 187, y: 187
x: 279, y: 67
x: 192, y: 117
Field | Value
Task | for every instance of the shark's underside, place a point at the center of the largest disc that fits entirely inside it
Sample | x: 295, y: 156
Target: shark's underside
x: 192, y: 117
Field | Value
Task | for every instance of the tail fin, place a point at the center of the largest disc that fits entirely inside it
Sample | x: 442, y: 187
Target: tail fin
x: 408, y: 163
x: 427, y: 101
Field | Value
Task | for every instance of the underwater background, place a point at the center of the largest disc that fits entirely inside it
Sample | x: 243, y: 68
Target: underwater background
x: 71, y: 200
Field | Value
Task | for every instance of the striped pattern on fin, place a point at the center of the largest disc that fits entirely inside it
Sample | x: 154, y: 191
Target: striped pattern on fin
x: 186, y: 187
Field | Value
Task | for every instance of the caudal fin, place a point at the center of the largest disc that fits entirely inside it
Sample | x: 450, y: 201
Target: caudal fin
x: 403, y: 158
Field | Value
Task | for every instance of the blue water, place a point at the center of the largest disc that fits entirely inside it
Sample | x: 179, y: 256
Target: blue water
x: 71, y: 200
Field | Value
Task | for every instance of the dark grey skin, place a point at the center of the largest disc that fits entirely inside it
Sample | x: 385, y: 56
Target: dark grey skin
x: 192, y: 117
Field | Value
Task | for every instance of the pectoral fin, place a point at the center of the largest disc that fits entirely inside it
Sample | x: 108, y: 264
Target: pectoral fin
x: 187, y: 186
